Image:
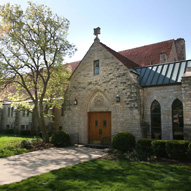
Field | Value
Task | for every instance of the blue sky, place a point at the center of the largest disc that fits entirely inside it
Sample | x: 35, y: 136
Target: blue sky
x: 124, y: 23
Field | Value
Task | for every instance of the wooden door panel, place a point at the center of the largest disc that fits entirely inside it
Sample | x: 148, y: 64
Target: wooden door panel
x: 99, y: 127
x: 106, y: 131
x: 93, y: 127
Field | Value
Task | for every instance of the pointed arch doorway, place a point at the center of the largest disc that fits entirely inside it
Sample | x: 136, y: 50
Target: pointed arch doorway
x: 99, y: 120
x: 99, y: 127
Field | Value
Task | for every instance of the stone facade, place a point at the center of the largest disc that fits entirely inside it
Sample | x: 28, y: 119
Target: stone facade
x: 186, y: 92
x: 173, y: 54
x: 98, y: 93
x: 180, y: 49
x: 11, y: 118
x: 90, y: 92
x: 165, y: 95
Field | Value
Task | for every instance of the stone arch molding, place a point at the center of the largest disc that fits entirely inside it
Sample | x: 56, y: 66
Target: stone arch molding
x: 99, y: 102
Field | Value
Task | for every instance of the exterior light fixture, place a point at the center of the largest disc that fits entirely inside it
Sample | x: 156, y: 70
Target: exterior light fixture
x: 117, y: 98
x: 75, y: 102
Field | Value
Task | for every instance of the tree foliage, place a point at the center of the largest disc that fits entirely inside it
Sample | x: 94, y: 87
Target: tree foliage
x: 33, y: 44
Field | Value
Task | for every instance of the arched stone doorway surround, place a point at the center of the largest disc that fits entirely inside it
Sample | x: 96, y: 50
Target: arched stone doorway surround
x: 99, y: 118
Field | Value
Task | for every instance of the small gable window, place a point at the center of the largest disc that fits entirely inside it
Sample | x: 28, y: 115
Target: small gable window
x: 96, y: 67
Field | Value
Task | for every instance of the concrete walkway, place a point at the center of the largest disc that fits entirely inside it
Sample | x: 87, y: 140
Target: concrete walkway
x: 19, y: 167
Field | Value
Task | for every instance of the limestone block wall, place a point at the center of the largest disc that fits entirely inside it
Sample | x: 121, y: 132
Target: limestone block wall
x: 186, y: 92
x: 114, y: 78
x: 7, y: 120
x: 180, y: 49
x: 57, y: 119
x: 173, y: 54
x: 165, y: 95
x: 25, y: 120
x: 14, y: 120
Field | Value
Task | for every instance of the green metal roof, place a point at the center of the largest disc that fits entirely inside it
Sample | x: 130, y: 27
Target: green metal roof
x: 162, y: 74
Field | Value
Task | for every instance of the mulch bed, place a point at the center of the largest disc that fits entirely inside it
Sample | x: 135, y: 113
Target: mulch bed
x: 172, y: 161
x: 158, y: 160
x: 39, y: 146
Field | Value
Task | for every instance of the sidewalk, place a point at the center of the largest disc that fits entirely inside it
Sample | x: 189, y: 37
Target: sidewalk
x: 19, y: 167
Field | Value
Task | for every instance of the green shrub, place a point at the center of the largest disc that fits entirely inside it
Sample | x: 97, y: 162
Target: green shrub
x: 177, y: 149
x: 25, y: 132
x: 143, y: 145
x: 25, y: 143
x: 9, y: 131
x: 189, y: 150
x: 60, y: 139
x: 189, y: 146
x: 159, y: 148
x: 123, y: 142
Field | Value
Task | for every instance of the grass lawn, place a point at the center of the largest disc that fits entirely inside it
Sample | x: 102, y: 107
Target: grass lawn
x: 110, y: 176
x: 8, y: 145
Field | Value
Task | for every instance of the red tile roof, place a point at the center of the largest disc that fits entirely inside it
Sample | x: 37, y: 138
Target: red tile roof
x: 74, y: 65
x: 140, y: 56
x: 149, y: 54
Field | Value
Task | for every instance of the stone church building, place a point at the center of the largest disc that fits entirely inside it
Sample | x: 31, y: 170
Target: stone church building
x: 145, y: 91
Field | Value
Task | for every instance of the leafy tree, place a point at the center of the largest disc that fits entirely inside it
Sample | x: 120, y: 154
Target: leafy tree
x: 32, y: 47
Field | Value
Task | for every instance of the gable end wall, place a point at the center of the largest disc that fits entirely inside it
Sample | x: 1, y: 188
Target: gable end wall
x: 114, y: 78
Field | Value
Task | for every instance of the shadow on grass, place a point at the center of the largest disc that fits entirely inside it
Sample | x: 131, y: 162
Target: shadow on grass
x: 110, y: 175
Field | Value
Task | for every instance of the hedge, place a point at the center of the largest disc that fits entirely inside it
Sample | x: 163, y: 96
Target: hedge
x: 60, y: 139
x: 159, y: 148
x: 123, y: 142
x: 177, y: 149
x: 9, y: 131
x: 25, y: 132
x: 144, y: 145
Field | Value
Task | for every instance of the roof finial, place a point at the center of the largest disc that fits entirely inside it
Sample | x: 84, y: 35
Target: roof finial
x: 96, y: 33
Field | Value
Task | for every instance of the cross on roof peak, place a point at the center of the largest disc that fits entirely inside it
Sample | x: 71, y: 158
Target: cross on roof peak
x: 97, y: 32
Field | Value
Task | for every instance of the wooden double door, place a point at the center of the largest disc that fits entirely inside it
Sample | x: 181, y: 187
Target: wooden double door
x: 99, y: 127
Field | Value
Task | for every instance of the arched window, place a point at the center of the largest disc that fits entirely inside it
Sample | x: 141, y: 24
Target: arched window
x: 177, y: 119
x: 155, y: 120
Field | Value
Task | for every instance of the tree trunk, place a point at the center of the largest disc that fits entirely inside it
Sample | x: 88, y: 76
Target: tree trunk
x: 17, y: 121
x: 35, y: 122
x: 43, y: 129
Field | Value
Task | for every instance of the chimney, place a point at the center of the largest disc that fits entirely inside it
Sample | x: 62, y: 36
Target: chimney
x: 163, y: 57
x: 180, y: 49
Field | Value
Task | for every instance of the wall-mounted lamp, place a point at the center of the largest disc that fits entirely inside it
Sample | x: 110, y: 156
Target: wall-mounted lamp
x: 75, y: 102
x: 117, y: 98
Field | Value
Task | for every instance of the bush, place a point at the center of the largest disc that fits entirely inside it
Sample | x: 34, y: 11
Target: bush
x: 60, y: 139
x: 123, y: 142
x: 189, y: 150
x: 11, y: 150
x: 177, y: 149
x: 25, y: 132
x: 9, y: 131
x: 159, y: 148
x: 143, y: 145
x: 25, y: 144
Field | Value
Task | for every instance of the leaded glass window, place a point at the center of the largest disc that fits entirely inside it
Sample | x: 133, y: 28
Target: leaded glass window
x: 155, y: 120
x: 96, y: 67
x: 177, y: 119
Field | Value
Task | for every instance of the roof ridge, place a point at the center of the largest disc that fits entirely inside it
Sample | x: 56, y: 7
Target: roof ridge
x: 146, y: 45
